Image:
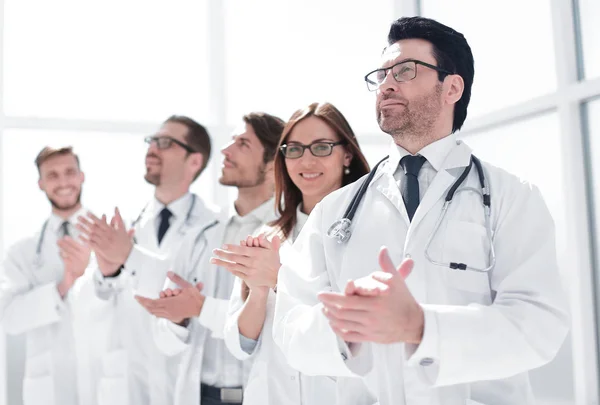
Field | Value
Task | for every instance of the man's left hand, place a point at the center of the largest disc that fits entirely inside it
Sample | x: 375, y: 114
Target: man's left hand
x: 378, y: 308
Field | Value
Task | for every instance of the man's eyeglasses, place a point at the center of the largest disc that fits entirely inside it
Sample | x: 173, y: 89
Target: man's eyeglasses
x: 401, y: 72
x: 165, y: 142
x: 318, y: 149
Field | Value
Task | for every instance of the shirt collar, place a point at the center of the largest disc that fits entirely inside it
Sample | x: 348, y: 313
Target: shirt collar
x: 264, y: 213
x: 435, y: 152
x: 55, y: 222
x: 179, y: 208
x: 301, y: 217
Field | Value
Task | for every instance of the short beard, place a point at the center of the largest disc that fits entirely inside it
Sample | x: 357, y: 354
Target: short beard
x: 418, y: 121
x: 153, y: 179
x: 260, y: 179
x: 58, y: 207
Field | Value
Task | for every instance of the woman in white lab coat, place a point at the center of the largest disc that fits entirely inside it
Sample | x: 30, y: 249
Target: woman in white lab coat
x: 319, y: 154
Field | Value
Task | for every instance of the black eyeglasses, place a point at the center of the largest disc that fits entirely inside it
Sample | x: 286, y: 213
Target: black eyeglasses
x: 318, y: 149
x: 165, y: 142
x: 401, y: 72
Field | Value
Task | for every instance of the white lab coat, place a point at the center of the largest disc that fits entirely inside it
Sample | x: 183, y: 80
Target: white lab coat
x: 271, y: 379
x: 483, y: 332
x: 186, y: 344
x: 64, y: 337
x: 135, y: 371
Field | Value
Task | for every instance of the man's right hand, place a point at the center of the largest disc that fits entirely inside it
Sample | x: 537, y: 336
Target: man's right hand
x: 111, y: 242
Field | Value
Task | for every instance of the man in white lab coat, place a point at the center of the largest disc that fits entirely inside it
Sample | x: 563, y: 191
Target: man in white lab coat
x: 192, y: 319
x: 43, y: 296
x: 134, y: 371
x: 476, y: 302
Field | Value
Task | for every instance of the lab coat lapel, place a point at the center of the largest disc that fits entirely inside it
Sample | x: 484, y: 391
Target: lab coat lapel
x: 175, y: 233
x: 209, y: 273
x: 386, y: 185
x: 145, y: 232
x: 458, y: 157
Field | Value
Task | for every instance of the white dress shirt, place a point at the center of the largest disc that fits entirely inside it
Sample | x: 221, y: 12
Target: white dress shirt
x: 216, y: 356
x: 435, y: 153
x: 179, y: 208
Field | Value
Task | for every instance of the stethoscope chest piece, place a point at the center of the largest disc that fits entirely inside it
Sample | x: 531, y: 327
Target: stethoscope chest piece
x: 340, y: 230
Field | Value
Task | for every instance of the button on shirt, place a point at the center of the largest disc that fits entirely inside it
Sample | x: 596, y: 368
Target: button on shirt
x: 220, y: 368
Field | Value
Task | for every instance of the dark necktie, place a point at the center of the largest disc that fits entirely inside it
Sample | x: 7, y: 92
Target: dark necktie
x: 165, y: 215
x: 65, y: 228
x: 410, y: 190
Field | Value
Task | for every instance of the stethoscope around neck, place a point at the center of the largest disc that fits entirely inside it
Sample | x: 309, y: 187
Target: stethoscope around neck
x: 342, y: 228
x: 38, y: 262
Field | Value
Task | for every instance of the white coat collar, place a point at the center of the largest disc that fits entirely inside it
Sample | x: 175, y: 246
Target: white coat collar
x: 383, y: 181
x: 445, y: 154
x: 436, y: 154
x: 179, y: 208
x: 301, y: 219
x: 55, y: 222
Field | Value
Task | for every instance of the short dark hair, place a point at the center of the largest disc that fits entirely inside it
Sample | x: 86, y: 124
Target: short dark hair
x: 197, y: 138
x: 268, y: 129
x: 49, y: 152
x: 450, y: 50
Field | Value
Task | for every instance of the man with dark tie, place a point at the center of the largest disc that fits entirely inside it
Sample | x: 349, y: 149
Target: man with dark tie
x: 134, y: 371
x: 476, y: 300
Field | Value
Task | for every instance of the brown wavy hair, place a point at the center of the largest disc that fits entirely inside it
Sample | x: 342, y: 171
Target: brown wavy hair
x: 287, y: 194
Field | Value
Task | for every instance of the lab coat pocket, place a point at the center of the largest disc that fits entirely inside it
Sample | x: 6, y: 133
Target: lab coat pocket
x: 113, y: 391
x: 466, y: 243
x: 38, y: 391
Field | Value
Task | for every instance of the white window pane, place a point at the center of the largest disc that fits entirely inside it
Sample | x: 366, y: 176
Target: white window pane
x: 510, y: 67
x: 114, y: 176
x: 376, y: 149
x: 593, y: 123
x: 589, y: 13
x: 531, y: 150
x: 283, y: 55
x: 129, y: 60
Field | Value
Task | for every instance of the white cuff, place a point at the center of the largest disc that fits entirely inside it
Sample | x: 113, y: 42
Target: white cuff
x: 170, y: 338
x: 147, y: 271
x: 426, y: 355
x: 107, y: 286
x: 357, y: 356
x: 58, y: 304
x: 135, y: 260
